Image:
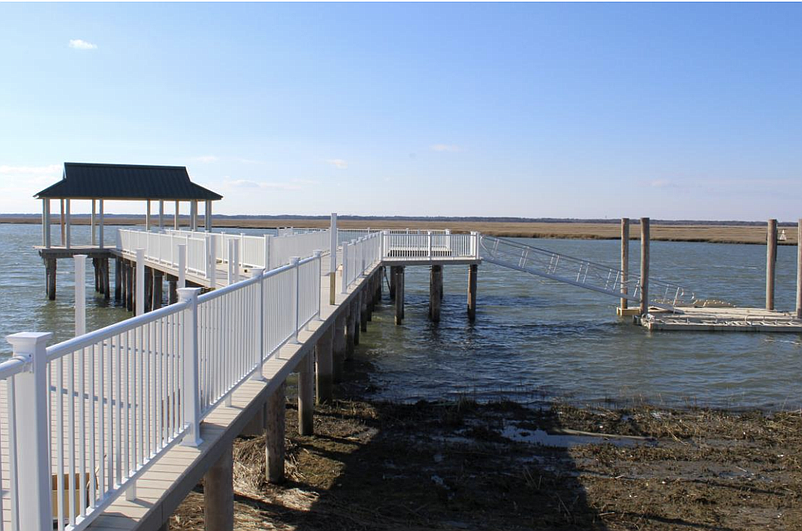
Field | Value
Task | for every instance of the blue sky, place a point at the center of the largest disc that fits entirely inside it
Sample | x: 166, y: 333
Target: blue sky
x: 672, y: 111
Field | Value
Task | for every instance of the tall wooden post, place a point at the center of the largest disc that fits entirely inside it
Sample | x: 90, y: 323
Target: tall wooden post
x: 799, y: 270
x: 68, y: 225
x: 106, y: 287
x: 356, y: 309
x: 771, y: 262
x: 644, y: 266
x: 161, y: 214
x: 473, y: 273
x: 218, y: 493
x: 100, y: 234
x: 435, y: 292
x: 118, y: 264
x: 624, y: 260
x: 207, y: 216
x: 274, y: 435
x: 46, y: 223
x: 175, y: 218
x: 158, y: 283
x: 147, y: 215
x: 392, y: 282
x: 92, y: 224
x: 63, y: 228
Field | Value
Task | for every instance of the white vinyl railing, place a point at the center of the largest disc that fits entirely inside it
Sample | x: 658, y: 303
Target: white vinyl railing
x: 429, y: 245
x: 205, y: 250
x: 119, y: 397
x: 359, y: 256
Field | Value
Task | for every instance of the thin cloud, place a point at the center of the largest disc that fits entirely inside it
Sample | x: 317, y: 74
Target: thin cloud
x: 340, y: 164
x: 245, y: 183
x: 660, y: 183
x: 80, y: 44
x: 445, y: 147
x: 206, y: 159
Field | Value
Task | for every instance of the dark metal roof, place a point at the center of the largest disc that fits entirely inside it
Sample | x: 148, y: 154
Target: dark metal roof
x: 126, y: 181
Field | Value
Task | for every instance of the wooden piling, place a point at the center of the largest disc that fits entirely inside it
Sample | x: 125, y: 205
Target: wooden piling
x: 364, y: 316
x: 393, y: 272
x: 148, y: 288
x: 339, y: 345
x: 350, y: 327
x: 104, y: 264
x: 118, y: 264
x: 256, y: 426
x: 158, y: 285
x: 130, y: 282
x: 399, y: 294
x: 644, y: 265
x: 771, y: 262
x: 172, y: 291
x: 473, y: 273
x: 274, y: 435
x: 306, y: 394
x: 435, y: 292
x: 624, y: 260
x: 799, y: 270
x: 218, y: 493
x: 356, y: 308
x: 50, y: 277
x: 324, y: 359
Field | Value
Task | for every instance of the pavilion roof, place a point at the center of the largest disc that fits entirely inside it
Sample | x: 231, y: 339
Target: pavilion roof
x: 126, y: 182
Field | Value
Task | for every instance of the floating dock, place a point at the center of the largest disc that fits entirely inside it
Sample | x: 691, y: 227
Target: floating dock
x: 721, y: 320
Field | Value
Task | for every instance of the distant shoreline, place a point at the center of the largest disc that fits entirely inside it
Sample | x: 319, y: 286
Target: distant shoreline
x: 679, y: 231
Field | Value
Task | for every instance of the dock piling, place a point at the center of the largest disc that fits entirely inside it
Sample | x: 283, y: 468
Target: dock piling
x: 50, y: 278
x: 399, y: 294
x: 473, y: 273
x: 644, y: 265
x: 435, y: 292
x: 624, y: 260
x: 306, y: 394
x: 324, y: 373
x: 218, y: 493
x: 799, y: 270
x: 771, y: 262
x: 158, y: 286
x: 274, y: 435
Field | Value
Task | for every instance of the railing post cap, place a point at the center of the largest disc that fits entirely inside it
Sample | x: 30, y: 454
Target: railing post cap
x: 317, y: 253
x: 27, y: 341
x: 295, y: 259
x: 185, y: 294
x: 257, y: 271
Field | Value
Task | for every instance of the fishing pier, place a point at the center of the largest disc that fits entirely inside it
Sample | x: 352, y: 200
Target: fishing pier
x: 112, y: 429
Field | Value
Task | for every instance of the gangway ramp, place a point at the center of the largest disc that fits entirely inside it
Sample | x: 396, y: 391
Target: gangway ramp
x: 580, y: 272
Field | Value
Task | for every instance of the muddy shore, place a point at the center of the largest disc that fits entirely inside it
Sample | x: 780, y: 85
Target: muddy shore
x: 388, y: 466
x: 660, y: 230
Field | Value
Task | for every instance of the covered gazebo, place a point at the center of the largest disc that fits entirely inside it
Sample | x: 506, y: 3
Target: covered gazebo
x: 123, y: 182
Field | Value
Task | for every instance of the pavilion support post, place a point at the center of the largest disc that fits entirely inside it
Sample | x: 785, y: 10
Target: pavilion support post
x: 46, y: 227
x: 339, y: 345
x: 399, y: 294
x: 218, y: 493
x: 473, y: 281
x: 207, y: 216
x: 624, y: 261
x: 63, y: 231
x: 350, y: 327
x: 644, y: 265
x: 50, y: 276
x: 435, y: 292
x: 799, y: 270
x: 324, y: 358
x: 117, y: 278
x: 161, y: 214
x: 158, y: 286
x: 175, y: 218
x: 92, y: 223
x: 68, y: 225
x: 193, y: 215
x: 100, y: 226
x: 306, y: 394
x: 147, y: 215
x: 274, y: 435
x: 771, y: 262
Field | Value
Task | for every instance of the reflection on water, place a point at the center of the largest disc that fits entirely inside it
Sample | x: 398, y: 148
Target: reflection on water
x: 531, y: 339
